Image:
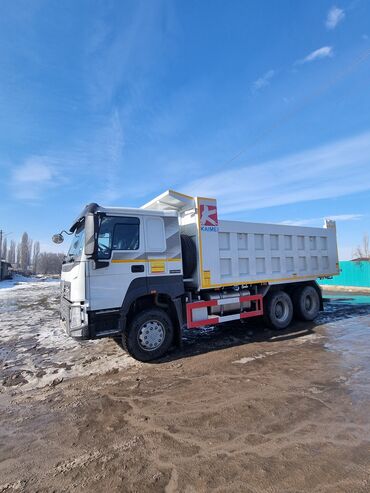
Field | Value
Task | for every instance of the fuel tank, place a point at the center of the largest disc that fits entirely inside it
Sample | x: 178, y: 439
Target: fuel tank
x: 233, y: 307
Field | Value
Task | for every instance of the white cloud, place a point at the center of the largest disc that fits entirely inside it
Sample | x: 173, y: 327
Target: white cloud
x: 109, y: 145
x: 345, y: 252
x: 324, y: 52
x: 319, y: 221
x: 264, y: 80
x: 346, y: 217
x: 128, y: 52
x: 332, y: 170
x: 287, y: 99
x: 97, y: 158
x: 335, y: 16
x: 33, y: 177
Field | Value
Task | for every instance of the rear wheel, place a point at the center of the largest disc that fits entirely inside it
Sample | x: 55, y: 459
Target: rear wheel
x: 278, y: 310
x: 149, y: 335
x: 306, y: 302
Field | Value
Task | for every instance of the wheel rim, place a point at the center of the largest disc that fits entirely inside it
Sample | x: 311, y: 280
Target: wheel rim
x: 281, y: 310
x: 151, y: 335
x: 308, y: 303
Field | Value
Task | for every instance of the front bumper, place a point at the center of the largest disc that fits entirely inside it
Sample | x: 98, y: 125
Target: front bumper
x: 81, y: 331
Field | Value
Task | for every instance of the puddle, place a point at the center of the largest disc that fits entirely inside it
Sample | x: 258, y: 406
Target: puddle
x: 343, y: 306
x: 350, y: 339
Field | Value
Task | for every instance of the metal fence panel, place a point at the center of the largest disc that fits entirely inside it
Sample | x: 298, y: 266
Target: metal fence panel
x: 351, y: 274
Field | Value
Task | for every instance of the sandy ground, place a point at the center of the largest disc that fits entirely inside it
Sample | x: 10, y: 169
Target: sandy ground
x: 240, y: 408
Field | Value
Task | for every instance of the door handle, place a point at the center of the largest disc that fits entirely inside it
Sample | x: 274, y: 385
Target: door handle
x: 137, y: 268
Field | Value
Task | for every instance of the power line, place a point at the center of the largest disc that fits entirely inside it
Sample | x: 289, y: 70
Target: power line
x: 288, y: 116
x: 1, y: 252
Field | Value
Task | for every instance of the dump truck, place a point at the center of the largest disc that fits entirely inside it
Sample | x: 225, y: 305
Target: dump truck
x: 147, y: 274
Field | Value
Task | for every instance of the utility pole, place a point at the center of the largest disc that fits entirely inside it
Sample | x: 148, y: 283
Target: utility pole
x: 1, y: 251
x: 2, y: 235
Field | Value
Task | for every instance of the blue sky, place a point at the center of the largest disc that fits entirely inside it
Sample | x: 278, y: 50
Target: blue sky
x: 263, y: 104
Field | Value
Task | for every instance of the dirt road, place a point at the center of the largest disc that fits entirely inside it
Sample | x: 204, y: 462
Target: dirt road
x: 236, y: 409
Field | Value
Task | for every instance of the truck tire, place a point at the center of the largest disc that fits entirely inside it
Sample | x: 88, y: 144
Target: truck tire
x: 189, y: 255
x: 149, y: 335
x: 306, y: 302
x: 278, y: 310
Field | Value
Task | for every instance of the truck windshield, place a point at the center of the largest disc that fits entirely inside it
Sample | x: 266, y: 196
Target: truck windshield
x: 75, y: 250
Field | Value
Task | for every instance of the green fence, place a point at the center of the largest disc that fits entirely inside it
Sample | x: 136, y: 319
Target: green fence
x: 351, y: 274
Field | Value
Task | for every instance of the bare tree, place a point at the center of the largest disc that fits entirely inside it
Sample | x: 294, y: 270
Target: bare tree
x: 35, y: 256
x: 24, y: 253
x: 29, y: 251
x: 18, y: 256
x: 11, y: 252
x: 50, y: 263
x: 362, y: 251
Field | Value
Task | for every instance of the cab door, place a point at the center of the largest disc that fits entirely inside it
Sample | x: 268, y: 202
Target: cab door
x: 121, y: 244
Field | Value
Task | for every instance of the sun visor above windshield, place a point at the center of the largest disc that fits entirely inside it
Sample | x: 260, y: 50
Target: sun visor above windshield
x: 90, y: 208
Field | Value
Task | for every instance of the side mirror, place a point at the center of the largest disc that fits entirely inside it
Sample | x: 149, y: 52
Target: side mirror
x: 90, y: 231
x: 58, y: 238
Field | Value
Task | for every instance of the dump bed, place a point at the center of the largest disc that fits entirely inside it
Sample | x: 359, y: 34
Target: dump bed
x: 236, y: 253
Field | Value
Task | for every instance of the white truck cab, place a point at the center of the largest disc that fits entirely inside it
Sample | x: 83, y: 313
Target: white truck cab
x: 146, y: 273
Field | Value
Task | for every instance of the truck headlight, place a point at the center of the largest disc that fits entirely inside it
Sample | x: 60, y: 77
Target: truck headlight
x: 75, y: 316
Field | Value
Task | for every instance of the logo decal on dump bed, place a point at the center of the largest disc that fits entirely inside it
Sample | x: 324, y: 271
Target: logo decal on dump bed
x: 208, y: 215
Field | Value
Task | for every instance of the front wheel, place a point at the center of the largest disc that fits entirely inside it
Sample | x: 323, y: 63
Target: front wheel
x: 149, y: 335
x: 278, y: 310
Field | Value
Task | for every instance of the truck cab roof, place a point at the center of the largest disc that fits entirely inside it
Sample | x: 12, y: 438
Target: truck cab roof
x: 120, y: 211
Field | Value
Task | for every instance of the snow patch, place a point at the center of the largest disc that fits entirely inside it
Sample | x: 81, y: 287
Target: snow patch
x: 19, y: 282
x: 35, y: 349
x: 248, y: 359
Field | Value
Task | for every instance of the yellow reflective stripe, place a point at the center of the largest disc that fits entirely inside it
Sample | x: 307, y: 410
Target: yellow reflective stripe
x: 126, y: 261
x: 133, y: 260
x: 239, y: 283
x: 158, y: 266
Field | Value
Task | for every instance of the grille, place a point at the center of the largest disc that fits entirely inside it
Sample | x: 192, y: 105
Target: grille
x: 66, y: 290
